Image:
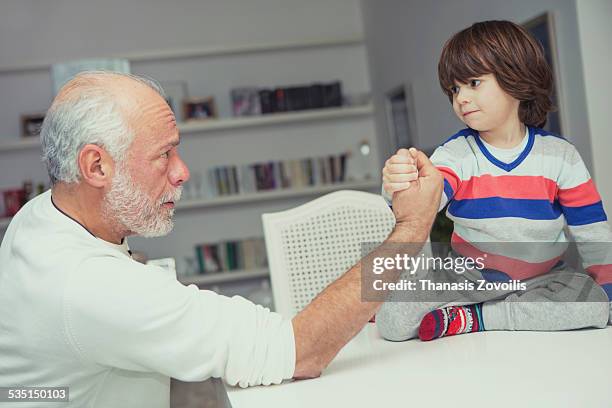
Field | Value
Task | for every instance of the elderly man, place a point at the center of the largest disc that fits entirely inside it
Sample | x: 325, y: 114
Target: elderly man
x: 78, y: 311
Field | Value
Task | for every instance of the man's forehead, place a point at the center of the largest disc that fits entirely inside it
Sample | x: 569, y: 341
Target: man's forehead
x: 165, y: 130
x: 151, y: 113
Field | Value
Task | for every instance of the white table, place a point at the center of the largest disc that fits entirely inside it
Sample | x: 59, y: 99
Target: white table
x: 501, y: 369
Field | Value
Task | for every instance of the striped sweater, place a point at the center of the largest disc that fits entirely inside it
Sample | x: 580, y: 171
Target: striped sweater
x: 530, y: 200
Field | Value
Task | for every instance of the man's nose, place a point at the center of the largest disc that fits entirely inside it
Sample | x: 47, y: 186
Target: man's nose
x: 179, y: 172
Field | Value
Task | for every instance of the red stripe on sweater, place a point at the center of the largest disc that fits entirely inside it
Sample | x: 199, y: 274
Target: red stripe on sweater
x: 526, y: 187
x: 515, y: 268
x: 450, y: 176
x: 601, y: 273
x: 581, y: 195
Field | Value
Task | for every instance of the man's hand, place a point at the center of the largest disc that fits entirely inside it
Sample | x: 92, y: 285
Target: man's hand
x: 418, y: 204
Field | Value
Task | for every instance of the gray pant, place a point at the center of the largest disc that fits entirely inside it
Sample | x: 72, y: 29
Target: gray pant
x: 561, y: 299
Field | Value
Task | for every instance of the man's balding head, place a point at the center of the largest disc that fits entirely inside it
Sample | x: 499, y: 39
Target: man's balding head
x: 92, y: 108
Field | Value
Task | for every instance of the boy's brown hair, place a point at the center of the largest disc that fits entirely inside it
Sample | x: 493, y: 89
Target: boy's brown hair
x: 507, y: 51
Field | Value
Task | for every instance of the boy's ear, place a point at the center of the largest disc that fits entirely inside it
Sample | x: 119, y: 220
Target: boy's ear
x: 95, y: 165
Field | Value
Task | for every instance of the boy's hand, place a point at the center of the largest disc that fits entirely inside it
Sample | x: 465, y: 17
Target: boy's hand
x: 417, y: 206
x: 400, y: 170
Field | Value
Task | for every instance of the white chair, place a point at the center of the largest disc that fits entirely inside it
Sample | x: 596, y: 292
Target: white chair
x: 310, y: 246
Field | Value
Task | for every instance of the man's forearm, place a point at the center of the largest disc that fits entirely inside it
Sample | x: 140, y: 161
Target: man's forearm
x: 338, y: 313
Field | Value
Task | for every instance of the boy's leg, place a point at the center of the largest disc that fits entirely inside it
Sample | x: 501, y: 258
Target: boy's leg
x: 559, y: 300
x: 400, y: 316
x: 556, y: 301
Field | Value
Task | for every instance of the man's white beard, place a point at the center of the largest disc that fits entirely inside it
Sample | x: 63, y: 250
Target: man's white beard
x: 135, y: 211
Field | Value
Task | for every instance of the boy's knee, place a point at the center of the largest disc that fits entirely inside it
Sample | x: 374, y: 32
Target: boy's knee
x: 577, y: 287
x: 595, y: 314
x: 398, y: 321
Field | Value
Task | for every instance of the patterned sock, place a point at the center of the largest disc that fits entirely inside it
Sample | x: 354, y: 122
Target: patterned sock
x: 451, y: 320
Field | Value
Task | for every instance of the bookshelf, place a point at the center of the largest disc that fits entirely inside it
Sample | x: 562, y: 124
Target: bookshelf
x: 229, y: 140
x: 275, y: 119
x: 202, y: 128
x: 274, y: 194
x: 20, y: 144
x: 224, y: 277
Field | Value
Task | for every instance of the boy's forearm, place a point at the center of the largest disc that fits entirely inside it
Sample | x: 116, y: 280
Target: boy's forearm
x: 338, y: 313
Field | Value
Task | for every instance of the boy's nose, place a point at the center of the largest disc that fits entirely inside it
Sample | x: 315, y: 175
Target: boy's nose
x: 463, y: 96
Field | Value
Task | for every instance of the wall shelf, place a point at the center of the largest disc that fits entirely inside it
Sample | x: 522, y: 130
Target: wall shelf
x: 20, y: 144
x: 161, y: 55
x: 275, y: 119
x: 275, y: 194
x: 223, y: 277
x: 234, y: 123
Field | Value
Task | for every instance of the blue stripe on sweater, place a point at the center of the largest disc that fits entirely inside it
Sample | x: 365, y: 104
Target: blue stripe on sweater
x: 497, y: 207
x: 608, y: 289
x: 507, y: 166
x: 587, y: 214
x: 542, y: 132
x: 448, y: 190
x: 492, y: 275
x: 462, y: 133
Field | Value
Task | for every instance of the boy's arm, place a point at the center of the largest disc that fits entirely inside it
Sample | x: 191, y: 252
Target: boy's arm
x: 447, y: 164
x: 586, y: 219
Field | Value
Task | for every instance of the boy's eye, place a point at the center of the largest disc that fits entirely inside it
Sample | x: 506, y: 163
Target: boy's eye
x: 474, y: 83
x: 454, y: 89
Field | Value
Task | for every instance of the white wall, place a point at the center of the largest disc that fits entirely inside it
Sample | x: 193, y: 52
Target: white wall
x: 404, y: 39
x: 594, y: 18
x: 56, y: 30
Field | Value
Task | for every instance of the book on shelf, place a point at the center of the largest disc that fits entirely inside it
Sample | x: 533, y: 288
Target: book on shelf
x: 266, y: 101
x: 245, y: 101
x: 275, y: 175
x: 296, y: 98
x: 227, y: 256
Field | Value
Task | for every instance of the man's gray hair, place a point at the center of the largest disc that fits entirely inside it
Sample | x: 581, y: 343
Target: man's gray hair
x: 91, y: 116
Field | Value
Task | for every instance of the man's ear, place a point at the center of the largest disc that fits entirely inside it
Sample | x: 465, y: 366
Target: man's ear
x: 96, y: 166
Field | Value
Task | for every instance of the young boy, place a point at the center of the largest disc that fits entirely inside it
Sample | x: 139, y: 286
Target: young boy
x: 507, y: 181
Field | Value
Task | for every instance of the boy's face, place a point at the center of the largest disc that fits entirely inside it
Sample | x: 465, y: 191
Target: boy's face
x: 483, y: 105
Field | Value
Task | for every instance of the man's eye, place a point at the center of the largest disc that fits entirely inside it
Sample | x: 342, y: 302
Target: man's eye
x: 165, y: 154
x: 474, y: 83
x: 454, y: 89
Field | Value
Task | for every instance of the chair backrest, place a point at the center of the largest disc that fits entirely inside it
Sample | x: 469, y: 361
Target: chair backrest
x: 310, y: 246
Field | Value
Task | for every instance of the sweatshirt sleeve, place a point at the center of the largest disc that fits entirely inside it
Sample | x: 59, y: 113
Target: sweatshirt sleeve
x: 444, y: 160
x: 138, y: 317
x: 586, y: 219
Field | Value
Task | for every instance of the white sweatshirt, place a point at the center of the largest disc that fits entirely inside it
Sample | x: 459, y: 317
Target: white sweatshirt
x: 77, y: 311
